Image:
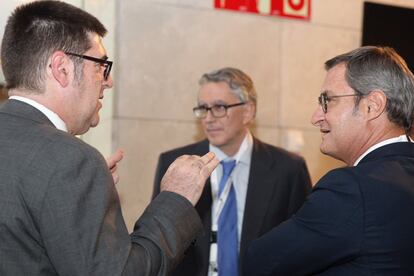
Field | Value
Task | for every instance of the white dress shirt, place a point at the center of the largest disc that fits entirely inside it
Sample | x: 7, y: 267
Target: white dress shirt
x: 240, y: 178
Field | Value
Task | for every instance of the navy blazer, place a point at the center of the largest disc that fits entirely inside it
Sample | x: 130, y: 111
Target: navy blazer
x: 278, y: 185
x: 357, y: 221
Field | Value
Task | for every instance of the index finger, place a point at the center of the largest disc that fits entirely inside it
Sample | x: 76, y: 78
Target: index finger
x: 211, y: 164
x: 206, y: 158
x: 115, y: 158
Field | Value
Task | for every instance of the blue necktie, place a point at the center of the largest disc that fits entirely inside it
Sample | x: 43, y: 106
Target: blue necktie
x: 227, y: 240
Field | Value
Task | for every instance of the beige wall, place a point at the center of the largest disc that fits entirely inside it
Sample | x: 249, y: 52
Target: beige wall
x: 160, y: 49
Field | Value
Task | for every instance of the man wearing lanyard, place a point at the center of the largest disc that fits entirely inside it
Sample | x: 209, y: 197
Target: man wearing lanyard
x: 256, y: 187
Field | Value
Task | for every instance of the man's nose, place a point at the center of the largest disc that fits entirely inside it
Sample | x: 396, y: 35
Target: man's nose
x: 108, y: 83
x: 317, y: 116
x: 209, y: 116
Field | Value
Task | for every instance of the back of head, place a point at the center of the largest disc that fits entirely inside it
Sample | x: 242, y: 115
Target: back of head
x: 36, y: 30
x: 381, y: 68
x: 238, y: 81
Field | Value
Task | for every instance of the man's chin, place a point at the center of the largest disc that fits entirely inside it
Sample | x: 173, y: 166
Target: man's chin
x: 323, y: 149
x: 214, y: 141
x: 330, y: 153
x: 95, y: 121
x: 87, y: 127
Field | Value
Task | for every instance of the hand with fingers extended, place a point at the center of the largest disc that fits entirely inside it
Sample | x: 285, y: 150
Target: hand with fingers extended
x: 187, y: 175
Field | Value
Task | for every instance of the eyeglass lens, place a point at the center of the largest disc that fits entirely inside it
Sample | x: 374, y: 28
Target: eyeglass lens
x: 216, y: 110
x: 323, y: 102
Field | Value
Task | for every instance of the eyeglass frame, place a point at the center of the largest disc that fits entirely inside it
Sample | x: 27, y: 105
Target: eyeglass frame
x: 106, y: 62
x: 206, y: 108
x: 324, y: 99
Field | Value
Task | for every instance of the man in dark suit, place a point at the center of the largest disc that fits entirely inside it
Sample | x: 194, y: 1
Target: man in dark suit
x: 59, y: 210
x: 358, y: 220
x: 270, y: 183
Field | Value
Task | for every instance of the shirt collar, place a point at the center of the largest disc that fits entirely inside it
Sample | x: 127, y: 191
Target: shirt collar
x: 401, y: 138
x: 243, y: 154
x: 52, y: 116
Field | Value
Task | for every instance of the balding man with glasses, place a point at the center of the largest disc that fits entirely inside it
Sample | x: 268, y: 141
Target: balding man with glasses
x: 256, y: 187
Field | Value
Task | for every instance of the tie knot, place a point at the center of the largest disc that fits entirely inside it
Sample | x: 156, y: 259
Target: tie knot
x: 228, y: 167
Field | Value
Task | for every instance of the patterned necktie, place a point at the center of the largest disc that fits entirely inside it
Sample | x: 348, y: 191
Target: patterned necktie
x: 227, y: 240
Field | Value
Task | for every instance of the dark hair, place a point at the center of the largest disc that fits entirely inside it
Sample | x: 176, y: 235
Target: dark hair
x: 369, y: 68
x: 36, y: 30
x: 239, y: 82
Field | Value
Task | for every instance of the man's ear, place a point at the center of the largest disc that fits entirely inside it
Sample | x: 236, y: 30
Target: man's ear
x: 61, y: 66
x: 249, y: 112
x: 376, y: 102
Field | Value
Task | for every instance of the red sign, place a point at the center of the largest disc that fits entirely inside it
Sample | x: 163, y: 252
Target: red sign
x: 299, y: 9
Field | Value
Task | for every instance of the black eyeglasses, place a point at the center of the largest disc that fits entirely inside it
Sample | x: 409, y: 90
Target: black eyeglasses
x: 217, y: 110
x: 104, y: 62
x: 324, y: 99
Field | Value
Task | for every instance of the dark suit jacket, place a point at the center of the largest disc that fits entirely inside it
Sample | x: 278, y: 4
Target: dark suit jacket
x: 357, y: 221
x: 278, y: 185
x: 60, y: 213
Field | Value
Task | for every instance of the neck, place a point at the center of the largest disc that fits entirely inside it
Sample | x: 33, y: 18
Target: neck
x: 48, y: 100
x: 379, y: 135
x: 233, y: 147
x: 37, y: 96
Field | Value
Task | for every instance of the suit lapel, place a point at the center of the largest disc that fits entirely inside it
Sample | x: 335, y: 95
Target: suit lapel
x: 259, y: 193
x: 203, y: 207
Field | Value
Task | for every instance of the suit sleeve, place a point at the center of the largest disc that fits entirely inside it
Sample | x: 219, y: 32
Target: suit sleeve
x: 326, y: 230
x: 83, y: 230
x: 168, y: 227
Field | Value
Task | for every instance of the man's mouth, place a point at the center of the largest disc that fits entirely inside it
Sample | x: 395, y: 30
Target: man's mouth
x: 213, y: 129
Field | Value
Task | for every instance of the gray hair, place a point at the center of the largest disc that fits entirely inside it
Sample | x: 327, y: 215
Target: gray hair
x: 239, y: 82
x: 369, y: 68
